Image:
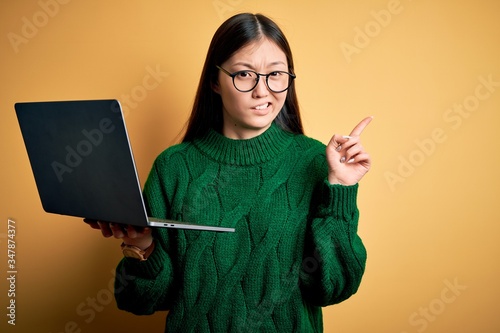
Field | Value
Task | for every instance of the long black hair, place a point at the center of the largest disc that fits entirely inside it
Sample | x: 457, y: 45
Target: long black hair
x: 235, y: 33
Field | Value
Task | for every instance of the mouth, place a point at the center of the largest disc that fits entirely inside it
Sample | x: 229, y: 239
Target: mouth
x: 262, y: 107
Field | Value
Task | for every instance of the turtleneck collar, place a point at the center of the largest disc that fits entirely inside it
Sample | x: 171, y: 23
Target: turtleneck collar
x: 259, y: 149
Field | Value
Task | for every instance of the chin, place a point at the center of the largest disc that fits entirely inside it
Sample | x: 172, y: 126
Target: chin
x: 260, y: 124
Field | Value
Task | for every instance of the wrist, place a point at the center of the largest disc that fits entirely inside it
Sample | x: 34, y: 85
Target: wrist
x: 142, y: 244
x: 132, y: 251
x: 334, y: 181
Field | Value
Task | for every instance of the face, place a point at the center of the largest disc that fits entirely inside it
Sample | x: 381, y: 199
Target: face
x: 248, y: 114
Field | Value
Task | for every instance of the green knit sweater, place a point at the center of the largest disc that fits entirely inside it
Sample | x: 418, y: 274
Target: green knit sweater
x: 295, y: 248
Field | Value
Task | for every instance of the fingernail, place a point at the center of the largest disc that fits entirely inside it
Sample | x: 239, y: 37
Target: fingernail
x: 342, y: 159
x: 339, y: 147
x: 346, y: 136
x: 351, y: 160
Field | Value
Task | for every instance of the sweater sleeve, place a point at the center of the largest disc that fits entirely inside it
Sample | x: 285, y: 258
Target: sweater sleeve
x: 143, y: 287
x: 335, y: 257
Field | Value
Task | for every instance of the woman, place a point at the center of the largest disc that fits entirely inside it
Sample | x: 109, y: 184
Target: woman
x: 245, y: 163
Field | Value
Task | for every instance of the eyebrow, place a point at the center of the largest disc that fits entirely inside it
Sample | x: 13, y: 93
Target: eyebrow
x: 274, y: 63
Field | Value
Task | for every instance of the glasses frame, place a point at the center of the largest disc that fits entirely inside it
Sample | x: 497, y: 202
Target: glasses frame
x: 233, y: 75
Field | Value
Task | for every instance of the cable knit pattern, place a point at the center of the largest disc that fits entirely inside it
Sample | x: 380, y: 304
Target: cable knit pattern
x: 295, y: 248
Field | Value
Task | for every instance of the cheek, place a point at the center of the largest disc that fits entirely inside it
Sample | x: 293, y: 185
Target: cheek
x: 280, y: 100
x: 232, y: 100
x: 228, y: 99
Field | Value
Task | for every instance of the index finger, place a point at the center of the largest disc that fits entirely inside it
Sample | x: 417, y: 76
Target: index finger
x: 361, y: 126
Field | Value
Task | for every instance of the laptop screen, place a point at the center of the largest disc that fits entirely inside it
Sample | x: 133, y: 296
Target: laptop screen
x: 81, y: 159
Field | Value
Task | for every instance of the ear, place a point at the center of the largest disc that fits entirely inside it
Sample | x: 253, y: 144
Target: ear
x: 216, y: 87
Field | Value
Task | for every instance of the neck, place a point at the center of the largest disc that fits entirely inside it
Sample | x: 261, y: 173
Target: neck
x: 237, y: 132
x: 252, y: 151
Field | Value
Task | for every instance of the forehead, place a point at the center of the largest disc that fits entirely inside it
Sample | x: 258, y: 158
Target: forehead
x: 263, y: 51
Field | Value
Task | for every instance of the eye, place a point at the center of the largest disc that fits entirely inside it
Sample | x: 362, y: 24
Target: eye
x: 244, y: 75
x: 275, y: 74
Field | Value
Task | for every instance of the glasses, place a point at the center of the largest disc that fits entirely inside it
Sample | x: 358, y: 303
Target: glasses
x: 245, y: 81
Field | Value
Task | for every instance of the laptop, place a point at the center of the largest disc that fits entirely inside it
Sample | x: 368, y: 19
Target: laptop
x: 83, y: 165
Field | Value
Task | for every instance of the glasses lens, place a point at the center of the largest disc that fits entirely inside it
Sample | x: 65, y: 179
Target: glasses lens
x: 245, y: 80
x: 278, y: 81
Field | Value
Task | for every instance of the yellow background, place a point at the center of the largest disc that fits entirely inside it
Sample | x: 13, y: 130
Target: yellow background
x: 429, y: 206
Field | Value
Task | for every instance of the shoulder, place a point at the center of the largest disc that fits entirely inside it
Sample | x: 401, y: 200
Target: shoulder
x: 169, y: 165
x: 175, y: 149
x: 173, y: 153
x: 306, y: 143
x: 311, y: 154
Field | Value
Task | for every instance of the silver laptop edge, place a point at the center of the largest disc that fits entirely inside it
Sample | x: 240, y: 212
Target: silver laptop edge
x: 154, y: 222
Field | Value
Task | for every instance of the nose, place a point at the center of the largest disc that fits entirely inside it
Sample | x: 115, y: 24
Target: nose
x: 261, y: 90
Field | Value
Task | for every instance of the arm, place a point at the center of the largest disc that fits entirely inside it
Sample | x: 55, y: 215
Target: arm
x: 142, y: 287
x: 335, y: 257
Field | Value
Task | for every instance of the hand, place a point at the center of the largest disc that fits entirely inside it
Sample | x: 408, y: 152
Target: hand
x: 137, y: 236
x: 347, y: 161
